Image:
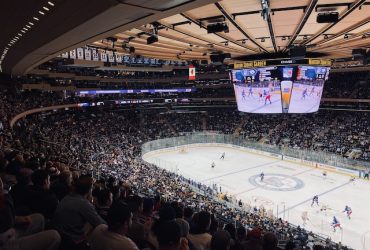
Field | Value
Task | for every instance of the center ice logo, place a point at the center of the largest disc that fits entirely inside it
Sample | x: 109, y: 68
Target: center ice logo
x: 277, y: 182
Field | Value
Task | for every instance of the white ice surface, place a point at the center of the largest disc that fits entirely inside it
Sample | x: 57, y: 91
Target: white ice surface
x: 232, y: 174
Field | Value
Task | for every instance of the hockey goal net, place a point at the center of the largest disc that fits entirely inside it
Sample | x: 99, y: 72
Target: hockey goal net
x: 183, y: 150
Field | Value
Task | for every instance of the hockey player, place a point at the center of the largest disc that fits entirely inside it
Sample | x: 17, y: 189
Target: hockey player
x: 213, y: 165
x: 312, y: 91
x: 262, y: 176
x: 243, y: 94
x: 304, y: 217
x: 304, y: 94
x: 324, y: 174
x: 315, y: 199
x: 268, y: 97
x: 348, y: 210
x: 222, y: 156
x: 260, y: 98
x: 250, y: 93
x: 335, y: 223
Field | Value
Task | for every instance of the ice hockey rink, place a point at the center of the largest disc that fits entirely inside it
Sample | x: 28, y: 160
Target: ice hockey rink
x: 254, y: 104
x: 308, y: 104
x: 287, y: 189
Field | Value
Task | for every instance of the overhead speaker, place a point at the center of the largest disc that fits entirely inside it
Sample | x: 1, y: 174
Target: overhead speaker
x: 203, y: 62
x: 217, y: 59
x: 358, y: 52
x: 217, y: 27
x: 152, y: 39
x: 327, y: 17
x: 297, y: 52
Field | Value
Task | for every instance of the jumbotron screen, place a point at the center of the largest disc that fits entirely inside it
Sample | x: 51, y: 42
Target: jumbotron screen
x: 279, y: 89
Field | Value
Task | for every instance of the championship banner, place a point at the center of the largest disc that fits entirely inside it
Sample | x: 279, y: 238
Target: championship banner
x: 95, y: 55
x: 191, y: 72
x: 80, y: 53
x: 88, y: 54
x: 72, y: 54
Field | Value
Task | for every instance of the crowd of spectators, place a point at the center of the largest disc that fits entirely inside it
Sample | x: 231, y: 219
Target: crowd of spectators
x: 48, y: 162
x: 132, y: 203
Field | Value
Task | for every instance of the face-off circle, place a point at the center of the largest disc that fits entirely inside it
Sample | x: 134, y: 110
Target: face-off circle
x: 276, y: 182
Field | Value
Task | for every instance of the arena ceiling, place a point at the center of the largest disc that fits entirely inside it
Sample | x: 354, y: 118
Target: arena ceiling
x: 289, y: 22
x: 40, y: 30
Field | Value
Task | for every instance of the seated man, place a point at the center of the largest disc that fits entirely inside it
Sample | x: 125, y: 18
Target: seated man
x: 74, y: 212
x: 113, y: 236
x: 32, y: 238
x: 41, y: 199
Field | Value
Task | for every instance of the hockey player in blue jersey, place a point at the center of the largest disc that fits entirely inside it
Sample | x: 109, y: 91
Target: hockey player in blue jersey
x: 335, y: 223
x: 304, y: 94
x: 243, y: 94
x: 315, y: 199
x: 348, y: 210
x: 312, y: 91
x: 250, y: 93
x: 262, y: 176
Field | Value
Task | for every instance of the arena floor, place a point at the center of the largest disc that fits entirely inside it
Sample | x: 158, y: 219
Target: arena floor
x: 287, y: 190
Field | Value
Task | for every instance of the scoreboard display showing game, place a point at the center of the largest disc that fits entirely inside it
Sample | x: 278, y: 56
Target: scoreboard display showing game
x: 279, y: 88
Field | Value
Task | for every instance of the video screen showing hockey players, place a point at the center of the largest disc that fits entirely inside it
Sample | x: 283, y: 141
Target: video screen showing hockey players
x: 279, y: 89
x: 257, y: 90
x: 308, y: 88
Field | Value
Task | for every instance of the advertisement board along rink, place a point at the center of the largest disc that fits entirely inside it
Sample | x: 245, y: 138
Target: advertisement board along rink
x: 287, y: 189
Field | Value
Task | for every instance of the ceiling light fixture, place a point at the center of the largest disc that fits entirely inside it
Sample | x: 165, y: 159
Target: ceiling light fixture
x: 51, y: 3
x: 45, y: 8
x: 42, y: 13
x: 28, y: 26
x: 19, y: 34
x: 36, y: 18
x: 23, y: 31
x: 31, y: 23
x: 24, y: 28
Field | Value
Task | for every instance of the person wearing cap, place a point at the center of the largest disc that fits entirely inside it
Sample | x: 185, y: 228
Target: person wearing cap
x: 113, y: 236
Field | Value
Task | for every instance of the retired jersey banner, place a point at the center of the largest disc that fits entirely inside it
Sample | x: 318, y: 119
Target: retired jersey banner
x: 118, y: 58
x: 80, y: 53
x: 72, y: 54
x: 103, y: 56
x: 191, y: 72
x: 110, y: 57
x: 95, y: 55
x: 65, y: 55
x: 88, y: 54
